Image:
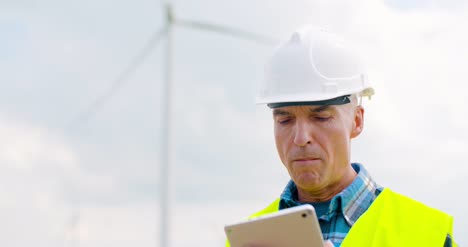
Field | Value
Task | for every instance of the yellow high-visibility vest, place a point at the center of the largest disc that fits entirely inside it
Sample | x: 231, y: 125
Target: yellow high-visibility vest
x: 393, y: 220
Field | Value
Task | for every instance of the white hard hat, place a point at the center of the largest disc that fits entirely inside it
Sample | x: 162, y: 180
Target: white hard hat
x: 314, y: 66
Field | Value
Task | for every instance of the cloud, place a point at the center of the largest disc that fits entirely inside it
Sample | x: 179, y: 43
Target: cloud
x: 417, y: 5
x: 34, y: 164
x: 101, y: 178
x: 217, y: 143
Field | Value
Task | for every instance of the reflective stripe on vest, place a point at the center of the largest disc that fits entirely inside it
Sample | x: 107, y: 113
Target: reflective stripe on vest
x: 393, y: 220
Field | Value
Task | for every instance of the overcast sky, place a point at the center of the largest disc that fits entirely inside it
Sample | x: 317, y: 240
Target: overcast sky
x: 95, y: 183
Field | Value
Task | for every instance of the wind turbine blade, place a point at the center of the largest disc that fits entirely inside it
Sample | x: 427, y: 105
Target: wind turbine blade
x: 226, y: 30
x: 121, y: 79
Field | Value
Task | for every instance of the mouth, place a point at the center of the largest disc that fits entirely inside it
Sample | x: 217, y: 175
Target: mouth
x: 306, y: 161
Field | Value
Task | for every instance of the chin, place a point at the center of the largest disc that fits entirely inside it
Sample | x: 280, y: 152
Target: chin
x: 307, y: 180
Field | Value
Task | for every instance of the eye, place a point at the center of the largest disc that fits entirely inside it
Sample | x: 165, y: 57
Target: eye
x: 284, y: 121
x: 322, y: 118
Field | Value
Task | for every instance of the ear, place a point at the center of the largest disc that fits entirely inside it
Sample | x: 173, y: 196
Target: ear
x: 358, y: 121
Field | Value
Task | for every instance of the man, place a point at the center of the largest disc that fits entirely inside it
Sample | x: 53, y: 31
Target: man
x: 314, y: 85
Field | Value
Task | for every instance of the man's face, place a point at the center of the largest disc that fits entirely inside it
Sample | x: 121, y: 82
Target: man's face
x: 313, y: 142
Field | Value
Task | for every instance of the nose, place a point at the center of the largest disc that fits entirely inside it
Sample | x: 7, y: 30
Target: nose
x: 302, y: 134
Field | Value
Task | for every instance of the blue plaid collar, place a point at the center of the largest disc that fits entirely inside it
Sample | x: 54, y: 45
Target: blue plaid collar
x: 353, y: 201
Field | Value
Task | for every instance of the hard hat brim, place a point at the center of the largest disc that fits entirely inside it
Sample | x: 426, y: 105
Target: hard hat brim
x: 341, y: 100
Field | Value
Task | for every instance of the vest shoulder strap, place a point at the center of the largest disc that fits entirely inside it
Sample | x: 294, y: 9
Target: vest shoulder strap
x: 273, y: 207
x: 396, y: 220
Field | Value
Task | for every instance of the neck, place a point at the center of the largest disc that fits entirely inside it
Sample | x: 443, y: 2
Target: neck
x: 327, y: 192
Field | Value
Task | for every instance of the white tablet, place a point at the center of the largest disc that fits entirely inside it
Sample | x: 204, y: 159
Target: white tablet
x: 292, y: 227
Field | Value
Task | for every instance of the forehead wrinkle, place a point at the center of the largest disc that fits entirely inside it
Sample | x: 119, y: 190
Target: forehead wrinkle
x: 322, y: 109
x: 290, y: 110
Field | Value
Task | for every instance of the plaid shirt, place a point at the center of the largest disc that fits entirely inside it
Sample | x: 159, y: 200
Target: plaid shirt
x: 339, y: 214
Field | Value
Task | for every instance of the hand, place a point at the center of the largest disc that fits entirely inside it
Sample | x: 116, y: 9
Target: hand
x: 328, y: 243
